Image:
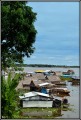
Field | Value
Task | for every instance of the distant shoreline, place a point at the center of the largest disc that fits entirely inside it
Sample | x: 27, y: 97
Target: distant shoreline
x: 45, y: 65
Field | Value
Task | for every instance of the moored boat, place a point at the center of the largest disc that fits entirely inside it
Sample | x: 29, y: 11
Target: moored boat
x: 61, y: 84
x: 69, y: 72
x: 60, y: 90
x: 75, y: 80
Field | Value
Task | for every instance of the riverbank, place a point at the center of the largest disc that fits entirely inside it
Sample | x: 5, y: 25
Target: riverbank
x: 71, y: 112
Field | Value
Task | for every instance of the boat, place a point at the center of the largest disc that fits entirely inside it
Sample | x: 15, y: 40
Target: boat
x: 60, y: 90
x: 69, y: 72
x: 66, y: 76
x: 39, y: 71
x: 75, y: 80
x: 61, y: 84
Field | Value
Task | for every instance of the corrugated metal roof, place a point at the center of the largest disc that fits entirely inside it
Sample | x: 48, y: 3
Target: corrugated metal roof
x: 42, y: 94
x: 31, y: 94
x: 42, y: 84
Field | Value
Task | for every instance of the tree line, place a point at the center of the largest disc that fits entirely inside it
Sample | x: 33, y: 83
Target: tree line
x: 44, y: 65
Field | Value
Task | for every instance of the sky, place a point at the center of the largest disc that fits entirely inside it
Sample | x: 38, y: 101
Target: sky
x: 57, y: 38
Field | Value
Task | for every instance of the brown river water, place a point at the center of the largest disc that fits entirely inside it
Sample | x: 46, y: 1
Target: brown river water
x: 73, y: 99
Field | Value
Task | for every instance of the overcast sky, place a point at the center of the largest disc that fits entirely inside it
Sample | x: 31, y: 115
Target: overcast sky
x: 57, y: 40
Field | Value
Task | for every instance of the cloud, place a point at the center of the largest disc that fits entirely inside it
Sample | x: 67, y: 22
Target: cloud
x: 57, y: 40
x: 51, y: 58
x: 67, y: 58
x: 70, y: 61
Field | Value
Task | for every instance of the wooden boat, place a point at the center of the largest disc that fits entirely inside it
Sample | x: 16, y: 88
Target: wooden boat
x: 69, y: 72
x: 60, y: 90
x: 75, y: 80
x: 61, y: 84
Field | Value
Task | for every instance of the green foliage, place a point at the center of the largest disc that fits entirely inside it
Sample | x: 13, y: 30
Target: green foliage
x: 40, y: 113
x: 17, y: 32
x: 9, y: 95
x: 18, y: 68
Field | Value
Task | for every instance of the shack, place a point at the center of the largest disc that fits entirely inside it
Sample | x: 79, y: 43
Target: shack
x: 37, y: 99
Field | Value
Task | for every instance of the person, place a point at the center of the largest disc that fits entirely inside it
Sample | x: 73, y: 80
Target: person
x: 32, y: 86
x: 46, y: 77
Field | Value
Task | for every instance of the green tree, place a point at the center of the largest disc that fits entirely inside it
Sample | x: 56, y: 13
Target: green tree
x: 9, y: 96
x: 17, y: 32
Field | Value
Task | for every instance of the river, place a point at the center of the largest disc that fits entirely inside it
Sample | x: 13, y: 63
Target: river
x: 32, y: 69
x: 73, y: 99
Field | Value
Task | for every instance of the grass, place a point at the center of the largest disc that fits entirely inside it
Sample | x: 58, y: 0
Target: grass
x: 38, y: 109
x: 48, y: 113
x: 67, y: 107
x: 55, y: 112
x: 65, y: 78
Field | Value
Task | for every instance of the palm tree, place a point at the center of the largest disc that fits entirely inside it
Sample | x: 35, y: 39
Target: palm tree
x: 9, y: 95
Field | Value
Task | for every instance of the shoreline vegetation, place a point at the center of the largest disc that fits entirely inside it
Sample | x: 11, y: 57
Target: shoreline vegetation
x: 45, y: 65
